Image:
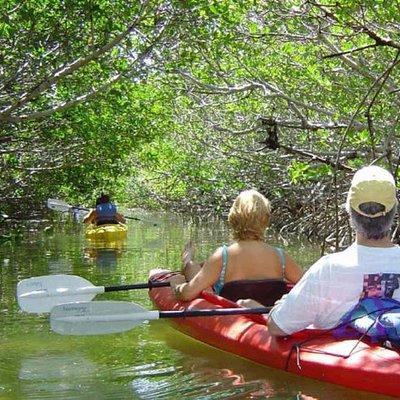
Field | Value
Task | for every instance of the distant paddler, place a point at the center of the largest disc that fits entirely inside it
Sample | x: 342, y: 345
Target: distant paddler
x: 104, y: 213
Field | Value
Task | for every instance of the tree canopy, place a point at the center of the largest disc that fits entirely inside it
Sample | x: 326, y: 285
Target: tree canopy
x: 181, y: 104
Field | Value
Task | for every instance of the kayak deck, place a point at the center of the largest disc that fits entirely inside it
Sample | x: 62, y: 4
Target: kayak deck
x: 106, y: 232
x: 310, y: 353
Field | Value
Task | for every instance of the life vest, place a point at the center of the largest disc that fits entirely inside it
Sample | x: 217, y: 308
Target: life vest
x: 377, y: 318
x: 106, y: 213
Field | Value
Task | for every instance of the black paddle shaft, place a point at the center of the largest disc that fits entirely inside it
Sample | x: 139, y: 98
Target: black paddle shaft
x: 88, y: 209
x: 214, y: 312
x: 147, y: 285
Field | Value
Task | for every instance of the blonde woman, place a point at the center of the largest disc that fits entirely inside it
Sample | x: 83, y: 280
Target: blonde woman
x: 248, y: 268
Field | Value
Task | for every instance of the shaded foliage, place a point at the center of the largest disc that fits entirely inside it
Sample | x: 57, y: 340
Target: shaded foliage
x: 75, y: 101
x: 187, y: 103
x: 297, y: 95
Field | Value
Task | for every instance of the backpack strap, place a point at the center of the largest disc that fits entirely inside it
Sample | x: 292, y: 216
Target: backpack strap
x: 221, y: 280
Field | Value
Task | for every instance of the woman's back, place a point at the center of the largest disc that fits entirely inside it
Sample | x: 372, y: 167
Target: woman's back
x: 251, y: 269
x: 253, y: 260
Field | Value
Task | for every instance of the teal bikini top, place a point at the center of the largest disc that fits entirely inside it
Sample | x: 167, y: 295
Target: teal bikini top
x: 221, y: 280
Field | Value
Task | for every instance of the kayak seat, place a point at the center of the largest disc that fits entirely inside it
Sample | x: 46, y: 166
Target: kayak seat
x: 107, y: 222
x: 265, y: 291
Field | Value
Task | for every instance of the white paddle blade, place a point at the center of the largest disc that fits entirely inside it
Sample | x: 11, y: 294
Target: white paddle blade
x: 58, y: 205
x: 41, y: 293
x: 98, y: 317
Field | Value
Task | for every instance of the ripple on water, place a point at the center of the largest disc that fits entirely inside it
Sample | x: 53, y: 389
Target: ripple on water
x: 156, y: 381
x: 154, y: 369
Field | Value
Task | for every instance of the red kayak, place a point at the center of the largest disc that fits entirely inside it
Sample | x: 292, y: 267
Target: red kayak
x: 310, y: 353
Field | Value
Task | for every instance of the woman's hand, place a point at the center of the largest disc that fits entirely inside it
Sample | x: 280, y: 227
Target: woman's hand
x: 177, y: 282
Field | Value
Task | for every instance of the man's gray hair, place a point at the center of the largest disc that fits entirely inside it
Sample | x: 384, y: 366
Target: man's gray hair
x: 372, y: 228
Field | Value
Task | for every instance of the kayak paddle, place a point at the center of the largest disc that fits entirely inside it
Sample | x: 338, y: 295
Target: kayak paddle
x: 102, y: 317
x: 59, y: 205
x: 41, y: 293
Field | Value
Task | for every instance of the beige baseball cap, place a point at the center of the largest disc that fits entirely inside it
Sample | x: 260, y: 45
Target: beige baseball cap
x: 372, y: 184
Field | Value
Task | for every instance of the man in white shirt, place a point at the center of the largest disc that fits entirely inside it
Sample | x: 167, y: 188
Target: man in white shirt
x: 369, y: 267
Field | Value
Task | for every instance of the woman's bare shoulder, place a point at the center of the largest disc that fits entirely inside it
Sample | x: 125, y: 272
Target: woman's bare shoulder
x: 216, y: 256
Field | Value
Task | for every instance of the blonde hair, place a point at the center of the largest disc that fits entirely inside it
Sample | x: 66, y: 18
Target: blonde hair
x: 249, y: 215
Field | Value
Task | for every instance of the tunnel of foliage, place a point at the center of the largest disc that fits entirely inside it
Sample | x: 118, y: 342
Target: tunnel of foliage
x: 179, y: 105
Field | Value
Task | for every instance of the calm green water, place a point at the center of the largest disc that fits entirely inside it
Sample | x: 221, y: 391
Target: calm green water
x: 152, y: 361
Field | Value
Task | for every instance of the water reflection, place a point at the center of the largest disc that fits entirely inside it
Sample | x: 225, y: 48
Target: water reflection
x: 232, y: 377
x: 152, y: 361
x: 200, y: 384
x: 66, y: 376
x: 102, y: 257
x: 199, y: 381
x: 53, y: 367
x: 104, y: 254
x: 61, y: 266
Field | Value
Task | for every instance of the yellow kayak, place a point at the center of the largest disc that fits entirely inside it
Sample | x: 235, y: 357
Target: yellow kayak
x: 106, y: 232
